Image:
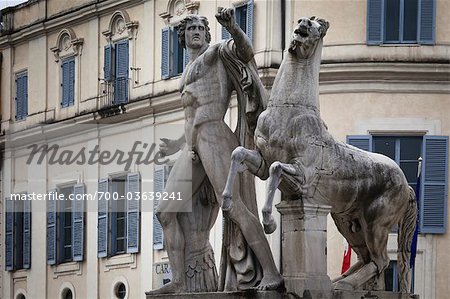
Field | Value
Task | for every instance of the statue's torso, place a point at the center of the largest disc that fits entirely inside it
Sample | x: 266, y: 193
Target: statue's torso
x: 204, y: 92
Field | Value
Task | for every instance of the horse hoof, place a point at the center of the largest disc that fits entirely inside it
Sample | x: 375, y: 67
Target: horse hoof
x: 270, y: 227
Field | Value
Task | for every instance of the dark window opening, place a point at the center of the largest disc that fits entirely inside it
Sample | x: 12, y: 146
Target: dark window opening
x: 121, y: 291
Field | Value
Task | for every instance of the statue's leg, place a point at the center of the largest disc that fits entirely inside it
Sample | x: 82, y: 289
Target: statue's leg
x: 276, y: 170
x: 173, y: 234
x: 216, y: 142
x: 242, y: 159
x: 376, y: 235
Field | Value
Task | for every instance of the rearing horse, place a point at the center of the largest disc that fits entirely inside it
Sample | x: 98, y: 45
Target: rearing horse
x: 368, y: 193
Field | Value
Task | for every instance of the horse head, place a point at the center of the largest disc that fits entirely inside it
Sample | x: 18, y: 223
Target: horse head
x: 306, y: 36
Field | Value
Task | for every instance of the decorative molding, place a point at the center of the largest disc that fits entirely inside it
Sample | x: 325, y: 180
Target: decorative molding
x: 67, y: 286
x: 177, y: 9
x: 126, y: 260
x: 70, y: 268
x: 116, y: 281
x: 67, y: 44
x: 120, y: 26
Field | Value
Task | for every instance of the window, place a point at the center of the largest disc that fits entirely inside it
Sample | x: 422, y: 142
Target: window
x: 120, y: 290
x: 433, y: 189
x: 400, y: 21
x: 116, y: 65
x: 67, y: 294
x: 21, y: 96
x: 68, y: 82
x: 118, y: 215
x: 160, y: 177
x: 17, y: 234
x: 405, y: 151
x: 391, y: 278
x: 244, y: 18
x: 174, y: 56
x: 65, y: 224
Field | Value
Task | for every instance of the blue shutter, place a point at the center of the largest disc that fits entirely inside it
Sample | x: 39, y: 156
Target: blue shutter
x: 186, y: 58
x: 363, y: 142
x: 165, y: 53
x: 225, y: 34
x: 71, y: 82
x: 65, y: 83
x: 27, y: 234
x: 108, y: 66
x: 21, y: 96
x: 121, y: 81
x: 9, y: 234
x: 102, y: 216
x: 158, y: 186
x: 133, y: 189
x: 25, y: 96
x: 375, y: 13
x: 249, y: 29
x: 51, y: 228
x: 78, y: 223
x: 427, y: 17
x: 433, y: 202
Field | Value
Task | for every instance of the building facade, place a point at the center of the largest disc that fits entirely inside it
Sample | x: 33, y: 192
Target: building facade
x: 102, y: 76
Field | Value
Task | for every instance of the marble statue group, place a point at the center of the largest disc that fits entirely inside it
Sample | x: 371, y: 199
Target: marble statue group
x: 280, y: 138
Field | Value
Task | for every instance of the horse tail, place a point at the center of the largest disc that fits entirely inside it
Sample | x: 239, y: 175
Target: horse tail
x: 407, y: 226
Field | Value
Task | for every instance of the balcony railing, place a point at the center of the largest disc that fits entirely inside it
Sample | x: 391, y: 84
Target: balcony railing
x: 113, y: 94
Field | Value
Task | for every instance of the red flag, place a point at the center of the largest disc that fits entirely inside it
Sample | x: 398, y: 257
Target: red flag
x: 347, y: 257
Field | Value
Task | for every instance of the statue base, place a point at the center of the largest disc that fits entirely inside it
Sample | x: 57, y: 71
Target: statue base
x: 336, y: 294
x: 304, y: 243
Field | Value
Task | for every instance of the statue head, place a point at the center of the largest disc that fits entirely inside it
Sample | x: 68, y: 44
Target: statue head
x: 191, y: 20
x: 307, y: 33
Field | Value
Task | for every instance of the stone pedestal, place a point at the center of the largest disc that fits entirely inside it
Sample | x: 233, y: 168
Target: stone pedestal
x: 304, y: 248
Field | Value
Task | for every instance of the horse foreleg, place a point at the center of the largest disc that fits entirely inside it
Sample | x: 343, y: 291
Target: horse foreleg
x: 276, y: 170
x: 242, y: 159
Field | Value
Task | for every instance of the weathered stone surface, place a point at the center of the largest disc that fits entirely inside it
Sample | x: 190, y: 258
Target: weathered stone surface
x: 337, y: 294
x: 206, y: 84
x: 368, y: 193
x: 304, y: 239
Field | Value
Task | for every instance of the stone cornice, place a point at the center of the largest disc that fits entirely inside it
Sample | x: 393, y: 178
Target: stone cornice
x: 67, y: 19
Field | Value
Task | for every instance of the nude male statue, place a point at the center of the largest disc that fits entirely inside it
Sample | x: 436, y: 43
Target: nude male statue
x: 205, y: 94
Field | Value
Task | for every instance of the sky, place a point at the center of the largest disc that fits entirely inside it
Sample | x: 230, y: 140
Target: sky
x: 6, y: 3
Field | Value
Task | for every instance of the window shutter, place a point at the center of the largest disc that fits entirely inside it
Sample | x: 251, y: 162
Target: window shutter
x: 225, y: 34
x: 25, y: 96
x: 249, y: 29
x: 158, y: 186
x: 433, y: 203
x: 51, y: 228
x: 375, y: 22
x: 27, y: 234
x: 427, y: 21
x: 65, y: 83
x: 121, y: 86
x: 9, y: 234
x: 186, y: 58
x: 363, y: 142
x: 133, y: 191
x: 108, y: 69
x: 102, y: 216
x: 71, y: 82
x: 21, y: 96
x: 78, y: 223
x: 165, y: 53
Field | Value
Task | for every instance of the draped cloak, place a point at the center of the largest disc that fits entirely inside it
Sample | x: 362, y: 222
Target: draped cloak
x: 239, y: 268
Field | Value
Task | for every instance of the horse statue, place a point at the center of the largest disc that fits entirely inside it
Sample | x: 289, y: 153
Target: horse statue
x: 368, y: 192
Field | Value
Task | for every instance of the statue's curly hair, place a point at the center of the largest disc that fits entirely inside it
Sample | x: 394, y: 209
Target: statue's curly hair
x: 181, y: 28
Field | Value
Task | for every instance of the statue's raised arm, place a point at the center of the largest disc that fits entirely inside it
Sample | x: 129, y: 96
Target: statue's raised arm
x: 244, y: 49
